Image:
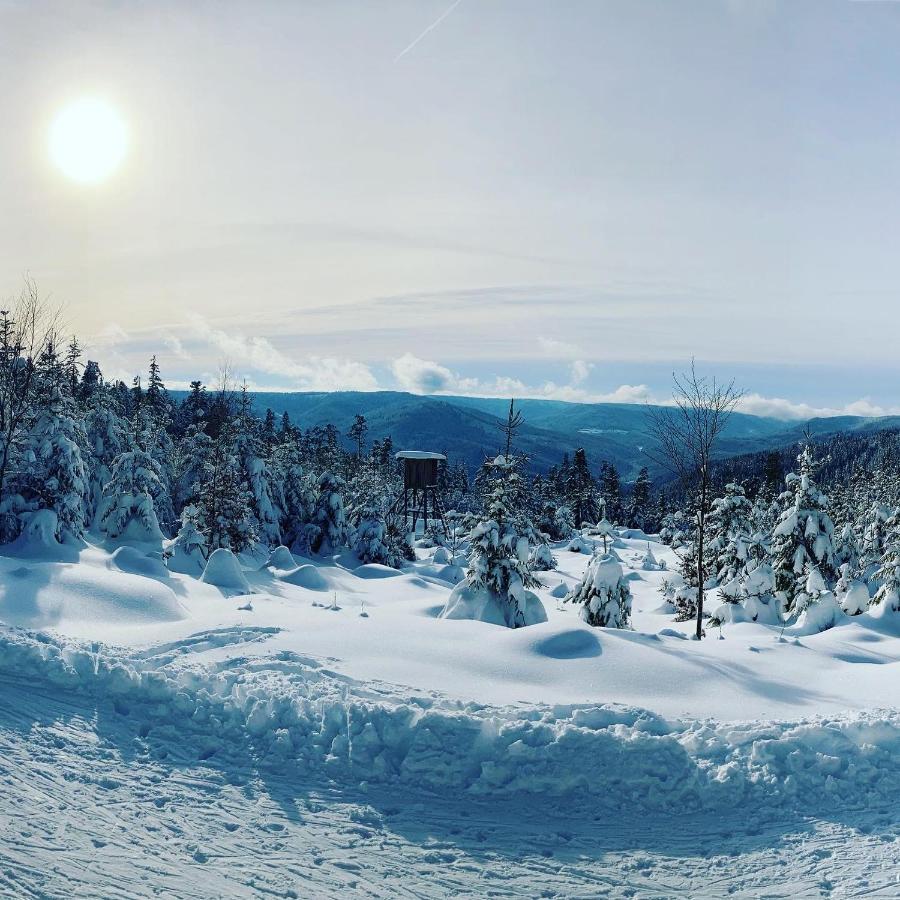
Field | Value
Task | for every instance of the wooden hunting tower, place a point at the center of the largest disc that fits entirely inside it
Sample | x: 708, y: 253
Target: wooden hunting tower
x: 420, y: 489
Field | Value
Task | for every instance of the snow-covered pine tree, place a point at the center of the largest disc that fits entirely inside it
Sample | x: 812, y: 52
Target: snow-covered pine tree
x: 327, y: 530
x: 499, y: 546
x: 373, y: 541
x: 132, y: 498
x: 603, y: 594
x: 803, y: 538
x: 298, y: 494
x: 888, y: 573
x: 847, y: 549
x: 107, y: 437
x: 262, y: 488
x: 188, y: 552
x: 56, y: 479
x: 730, y: 534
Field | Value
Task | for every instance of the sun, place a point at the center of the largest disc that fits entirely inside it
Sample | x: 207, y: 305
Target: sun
x: 88, y: 140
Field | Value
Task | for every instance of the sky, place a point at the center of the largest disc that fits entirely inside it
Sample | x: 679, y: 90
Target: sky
x: 522, y: 198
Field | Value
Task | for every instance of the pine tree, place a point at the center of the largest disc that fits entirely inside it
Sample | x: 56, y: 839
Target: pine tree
x: 730, y: 529
x: 327, y: 530
x: 56, y: 479
x: 847, y: 550
x: 499, y: 546
x: 580, y: 492
x: 374, y: 541
x: 803, y: 538
x: 639, y: 508
x: 107, y: 437
x: 357, y: 433
x: 888, y: 573
x: 603, y: 594
x: 611, y: 492
x: 132, y: 497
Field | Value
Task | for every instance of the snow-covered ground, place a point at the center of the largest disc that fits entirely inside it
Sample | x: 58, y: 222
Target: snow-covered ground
x: 327, y: 734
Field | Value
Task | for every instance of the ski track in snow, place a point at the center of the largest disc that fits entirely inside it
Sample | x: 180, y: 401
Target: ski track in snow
x: 111, y: 795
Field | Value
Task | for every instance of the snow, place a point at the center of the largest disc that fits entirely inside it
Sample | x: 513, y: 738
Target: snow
x: 479, y: 604
x: 224, y: 571
x: 159, y: 713
x: 418, y: 454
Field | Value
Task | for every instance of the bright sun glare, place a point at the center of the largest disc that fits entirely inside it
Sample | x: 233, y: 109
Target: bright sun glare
x: 88, y: 140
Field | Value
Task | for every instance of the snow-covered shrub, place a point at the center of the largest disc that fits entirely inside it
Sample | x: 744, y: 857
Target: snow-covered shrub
x: 187, y: 552
x: 851, y: 593
x: 727, y: 550
x: 887, y: 576
x: 542, y: 559
x: 603, y: 594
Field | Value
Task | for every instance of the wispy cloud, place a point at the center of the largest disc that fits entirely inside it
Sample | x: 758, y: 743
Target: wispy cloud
x: 259, y: 354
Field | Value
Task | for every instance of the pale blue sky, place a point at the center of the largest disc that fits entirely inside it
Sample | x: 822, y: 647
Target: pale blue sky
x: 578, y: 193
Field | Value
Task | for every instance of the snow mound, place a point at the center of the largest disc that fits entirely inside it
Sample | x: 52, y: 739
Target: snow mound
x: 441, y: 557
x: 306, y: 576
x: 469, y: 602
x: 290, y: 709
x: 560, y: 591
x: 281, y: 558
x: 820, y: 615
x: 78, y: 597
x: 375, y: 570
x: 128, y: 559
x: 224, y: 571
x: 452, y: 574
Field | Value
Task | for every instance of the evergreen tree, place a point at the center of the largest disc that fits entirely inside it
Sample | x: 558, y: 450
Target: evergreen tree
x: 55, y: 476
x: 374, y: 541
x: 603, y: 594
x: 888, y: 573
x: 357, y: 433
x: 327, y: 530
x: 803, y: 538
x: 730, y: 527
x: 611, y: 492
x: 639, y: 508
x: 132, y: 497
x: 499, y: 546
x: 580, y: 494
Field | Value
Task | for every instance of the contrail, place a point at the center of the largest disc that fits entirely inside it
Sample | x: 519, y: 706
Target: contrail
x: 431, y: 27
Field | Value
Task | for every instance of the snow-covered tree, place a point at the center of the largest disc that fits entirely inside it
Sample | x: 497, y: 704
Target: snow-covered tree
x: 56, y: 478
x: 499, y: 546
x: 134, y: 497
x: 542, y: 559
x: 374, y: 542
x: 730, y: 534
x: 847, y: 549
x: 639, y: 506
x: 603, y: 594
x: 327, y: 529
x: 802, y: 541
x: 106, y: 438
x: 888, y: 573
x: 188, y: 552
x: 298, y: 495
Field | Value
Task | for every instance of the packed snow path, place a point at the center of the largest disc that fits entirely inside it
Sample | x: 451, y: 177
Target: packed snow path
x: 125, y: 794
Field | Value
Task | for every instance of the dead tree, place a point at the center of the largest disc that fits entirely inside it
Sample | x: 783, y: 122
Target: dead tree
x: 686, y: 434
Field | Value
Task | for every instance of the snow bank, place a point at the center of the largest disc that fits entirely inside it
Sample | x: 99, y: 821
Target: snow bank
x: 224, y: 571
x: 286, y: 708
x: 128, y: 559
x: 306, y: 576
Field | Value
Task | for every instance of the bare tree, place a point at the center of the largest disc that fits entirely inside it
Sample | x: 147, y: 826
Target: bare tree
x: 27, y: 331
x: 686, y: 435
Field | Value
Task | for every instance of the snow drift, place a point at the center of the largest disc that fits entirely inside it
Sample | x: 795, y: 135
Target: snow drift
x: 286, y: 708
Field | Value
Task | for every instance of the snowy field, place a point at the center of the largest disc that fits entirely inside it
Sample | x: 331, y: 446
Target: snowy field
x: 319, y: 731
